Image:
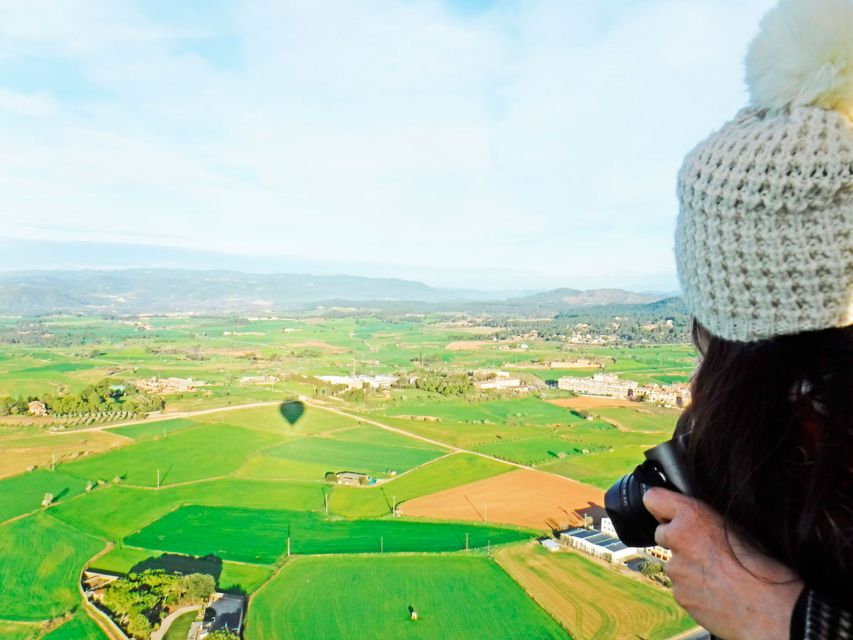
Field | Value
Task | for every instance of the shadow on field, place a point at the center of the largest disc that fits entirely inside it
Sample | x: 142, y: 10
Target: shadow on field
x: 292, y: 410
x: 174, y: 563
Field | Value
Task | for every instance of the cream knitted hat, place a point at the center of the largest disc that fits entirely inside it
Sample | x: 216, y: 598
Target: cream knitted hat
x: 764, y: 238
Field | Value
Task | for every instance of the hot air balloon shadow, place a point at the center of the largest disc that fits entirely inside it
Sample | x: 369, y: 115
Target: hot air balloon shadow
x: 292, y: 410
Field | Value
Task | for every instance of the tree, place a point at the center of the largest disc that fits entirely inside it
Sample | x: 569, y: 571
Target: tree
x: 198, y: 586
x: 222, y: 634
x: 139, y: 626
x: 331, y: 477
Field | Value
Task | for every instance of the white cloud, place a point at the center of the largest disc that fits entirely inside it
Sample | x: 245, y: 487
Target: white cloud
x: 540, y: 138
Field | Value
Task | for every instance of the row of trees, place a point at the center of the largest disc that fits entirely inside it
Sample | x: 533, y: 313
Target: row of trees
x: 139, y: 601
x: 109, y: 396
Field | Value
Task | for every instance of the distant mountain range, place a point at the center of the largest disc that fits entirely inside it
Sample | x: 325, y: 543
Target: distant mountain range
x: 133, y: 291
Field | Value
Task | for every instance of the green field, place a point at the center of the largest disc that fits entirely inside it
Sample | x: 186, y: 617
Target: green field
x: 115, y: 512
x: 447, y: 472
x: 24, y: 493
x: 222, y: 532
x: 205, y: 452
x: 340, y: 454
x: 11, y: 630
x: 369, y: 597
x: 235, y: 483
x: 154, y: 429
x: 79, y: 627
x: 641, y: 418
x: 231, y: 577
x: 519, y: 411
x: 40, y: 563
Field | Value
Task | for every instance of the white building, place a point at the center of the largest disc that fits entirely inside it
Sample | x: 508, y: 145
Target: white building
x: 598, y: 544
x: 656, y: 551
x: 499, y: 383
x: 381, y: 381
x: 600, y: 384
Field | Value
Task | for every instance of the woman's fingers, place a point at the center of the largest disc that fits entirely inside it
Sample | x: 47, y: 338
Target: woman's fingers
x: 661, y: 538
x: 664, y: 504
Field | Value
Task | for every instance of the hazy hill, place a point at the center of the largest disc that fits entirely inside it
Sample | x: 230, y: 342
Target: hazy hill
x: 132, y: 291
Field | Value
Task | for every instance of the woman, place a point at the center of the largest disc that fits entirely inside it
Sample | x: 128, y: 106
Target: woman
x: 764, y: 247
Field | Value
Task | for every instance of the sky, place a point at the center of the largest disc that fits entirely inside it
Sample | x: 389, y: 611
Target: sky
x: 493, y: 144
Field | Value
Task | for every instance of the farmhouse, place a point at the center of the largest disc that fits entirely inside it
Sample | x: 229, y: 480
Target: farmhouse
x: 37, y: 408
x: 351, y: 478
x: 598, y: 544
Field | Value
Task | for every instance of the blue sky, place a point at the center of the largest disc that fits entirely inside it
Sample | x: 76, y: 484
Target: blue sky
x: 470, y: 143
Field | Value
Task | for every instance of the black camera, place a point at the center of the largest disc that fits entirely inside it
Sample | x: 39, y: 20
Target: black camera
x: 664, y: 467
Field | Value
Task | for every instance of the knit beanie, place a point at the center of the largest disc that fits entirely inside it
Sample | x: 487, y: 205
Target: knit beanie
x: 764, y: 238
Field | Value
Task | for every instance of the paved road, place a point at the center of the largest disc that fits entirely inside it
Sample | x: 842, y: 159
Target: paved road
x: 169, y: 619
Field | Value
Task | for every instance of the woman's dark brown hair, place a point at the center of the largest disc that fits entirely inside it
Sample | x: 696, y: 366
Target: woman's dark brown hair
x: 771, y: 447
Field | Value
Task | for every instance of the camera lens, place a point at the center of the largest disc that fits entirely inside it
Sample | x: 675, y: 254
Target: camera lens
x: 632, y: 521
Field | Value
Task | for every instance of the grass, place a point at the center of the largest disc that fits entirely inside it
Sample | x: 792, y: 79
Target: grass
x: 40, y: 563
x: 145, y: 430
x: 79, y: 627
x: 223, y: 532
x: 451, y: 471
x: 339, y: 454
x: 600, y: 469
x: 369, y: 597
x: 231, y: 577
x: 204, y: 452
x: 530, y: 451
x: 114, y: 512
x: 592, y: 601
x: 11, y: 630
x: 180, y: 626
x: 641, y: 419
x: 530, y: 411
x: 24, y: 493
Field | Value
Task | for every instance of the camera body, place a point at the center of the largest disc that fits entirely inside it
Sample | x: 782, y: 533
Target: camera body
x: 663, y: 467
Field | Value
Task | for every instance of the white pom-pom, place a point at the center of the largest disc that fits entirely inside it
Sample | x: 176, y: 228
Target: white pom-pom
x: 803, y: 55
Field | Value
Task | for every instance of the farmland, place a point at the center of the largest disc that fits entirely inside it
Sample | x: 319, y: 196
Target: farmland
x: 221, y: 532
x: 589, y: 600
x: 454, y: 597
x: 220, y: 480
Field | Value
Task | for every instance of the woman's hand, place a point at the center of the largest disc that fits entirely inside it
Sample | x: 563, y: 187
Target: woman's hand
x: 729, y: 588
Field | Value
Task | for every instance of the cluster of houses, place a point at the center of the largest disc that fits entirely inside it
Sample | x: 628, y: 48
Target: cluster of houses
x: 497, y: 380
x: 258, y: 379
x: 381, y: 381
x: 610, y: 385
x: 603, y: 543
x: 169, y: 385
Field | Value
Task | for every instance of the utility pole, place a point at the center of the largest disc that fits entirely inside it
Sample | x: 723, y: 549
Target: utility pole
x: 288, y: 546
x: 326, y: 497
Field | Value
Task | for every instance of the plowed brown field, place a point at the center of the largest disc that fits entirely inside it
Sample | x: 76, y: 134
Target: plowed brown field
x: 525, y: 498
